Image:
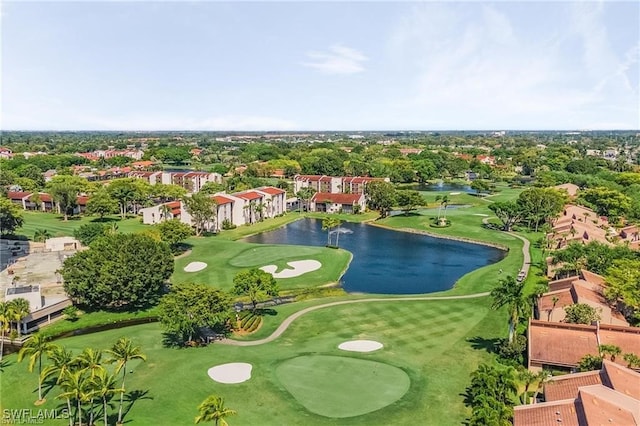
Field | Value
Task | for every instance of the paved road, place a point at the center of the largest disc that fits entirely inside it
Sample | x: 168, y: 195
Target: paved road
x: 291, y: 318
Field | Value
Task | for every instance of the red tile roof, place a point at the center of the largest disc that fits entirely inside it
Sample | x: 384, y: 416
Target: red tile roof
x: 566, y: 387
x: 546, y: 414
x: 249, y: 195
x: 82, y: 200
x: 560, y: 343
x: 336, y: 198
x: 271, y: 190
x: 45, y: 198
x: 622, y: 379
x: 17, y: 195
x: 604, y: 406
x: 626, y: 338
x: 173, y: 204
x: 220, y: 199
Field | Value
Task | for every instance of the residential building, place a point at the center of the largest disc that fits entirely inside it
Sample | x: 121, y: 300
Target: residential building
x: 587, y: 288
x: 191, y: 181
x: 556, y: 345
x: 6, y: 153
x: 569, y: 188
x: 161, y: 212
x: 337, y: 203
x: 610, y: 396
x: 334, y: 185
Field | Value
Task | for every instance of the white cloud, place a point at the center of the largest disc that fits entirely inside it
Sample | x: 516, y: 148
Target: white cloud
x: 338, y: 60
x: 475, y: 67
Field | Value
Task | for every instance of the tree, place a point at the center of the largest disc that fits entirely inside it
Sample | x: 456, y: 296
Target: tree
x: 491, y: 395
x: 623, y: 283
x: 174, y: 232
x: 190, y: 307
x: 480, y: 185
x: 527, y: 378
x: 509, y: 293
x: 328, y: 223
x: 102, y: 203
x: 607, y: 202
x: 202, y: 209
x: 633, y: 360
x: 509, y: 213
x: 19, y: 309
x: 75, y: 386
x: 581, y: 313
x: 539, y: 204
x: 121, y: 353
x: 65, y: 190
x: 35, y: 347
x: 589, y: 363
x: 63, y: 363
x: 381, y: 196
x: 124, y: 192
x: 612, y: 350
x: 10, y: 216
x: 408, y: 200
x: 104, y: 386
x: 305, y: 194
x: 89, y: 232
x: 118, y: 271
x: 5, y: 320
x: 444, y: 201
x: 255, y: 284
x: 41, y: 235
x: 212, y: 409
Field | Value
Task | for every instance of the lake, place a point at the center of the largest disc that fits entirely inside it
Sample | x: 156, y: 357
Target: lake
x: 390, y: 262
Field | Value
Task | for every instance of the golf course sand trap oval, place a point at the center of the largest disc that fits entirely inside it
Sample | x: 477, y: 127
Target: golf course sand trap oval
x: 234, y: 372
x: 195, y: 267
x: 360, y: 346
x: 298, y: 267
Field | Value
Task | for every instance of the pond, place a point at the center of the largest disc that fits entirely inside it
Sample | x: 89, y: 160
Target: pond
x: 390, y: 262
x: 445, y: 187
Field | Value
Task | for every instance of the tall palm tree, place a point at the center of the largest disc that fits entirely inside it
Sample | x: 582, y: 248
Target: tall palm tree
x: 612, y: 350
x: 63, y: 363
x: 90, y: 360
x: 509, y: 293
x: 212, y: 409
x: 35, y: 348
x: 75, y: 386
x: 527, y: 378
x: 121, y: 353
x: 445, y: 202
x: 5, y: 318
x: 165, y: 212
x: 19, y: 309
x: 543, y: 377
x: 338, y: 222
x: 104, y: 386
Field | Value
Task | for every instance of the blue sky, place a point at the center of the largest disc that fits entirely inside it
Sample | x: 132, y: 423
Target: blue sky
x: 320, y: 65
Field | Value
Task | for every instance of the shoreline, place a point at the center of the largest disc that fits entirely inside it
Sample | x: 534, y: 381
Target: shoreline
x: 443, y: 236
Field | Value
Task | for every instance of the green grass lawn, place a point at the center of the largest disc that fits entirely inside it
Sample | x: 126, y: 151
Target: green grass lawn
x: 57, y: 227
x: 435, y: 343
x: 226, y: 258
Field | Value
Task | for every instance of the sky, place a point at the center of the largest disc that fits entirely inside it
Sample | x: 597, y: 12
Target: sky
x: 330, y: 65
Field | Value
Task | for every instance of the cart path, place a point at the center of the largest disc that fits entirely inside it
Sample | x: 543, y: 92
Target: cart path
x: 291, y: 318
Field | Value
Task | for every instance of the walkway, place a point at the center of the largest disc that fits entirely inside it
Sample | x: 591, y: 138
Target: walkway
x: 291, y: 318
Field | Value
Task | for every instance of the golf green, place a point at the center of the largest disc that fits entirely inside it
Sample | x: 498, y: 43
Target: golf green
x: 338, y: 387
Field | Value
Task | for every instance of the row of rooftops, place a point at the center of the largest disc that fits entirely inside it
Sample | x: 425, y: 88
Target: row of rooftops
x: 81, y: 200
x: 610, y: 396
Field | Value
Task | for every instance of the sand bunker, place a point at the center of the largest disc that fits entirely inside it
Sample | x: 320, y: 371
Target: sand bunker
x: 234, y: 372
x: 360, y: 346
x: 298, y: 267
x: 195, y: 267
x: 454, y: 193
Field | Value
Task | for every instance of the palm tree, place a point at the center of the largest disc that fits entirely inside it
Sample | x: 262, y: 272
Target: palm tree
x: 328, y: 223
x: 213, y: 409
x: 104, y: 386
x: 165, y: 212
x: 121, y: 353
x: 438, y: 198
x: 75, y: 386
x: 445, y: 202
x: 63, y: 363
x: 528, y: 378
x: 19, y: 309
x: 555, y: 300
x: 90, y: 360
x: 5, y: 318
x: 543, y: 377
x: 35, y: 348
x: 612, y: 350
x: 338, y: 222
x: 41, y: 235
x: 509, y: 293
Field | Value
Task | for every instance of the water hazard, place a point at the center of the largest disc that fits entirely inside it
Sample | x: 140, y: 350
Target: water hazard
x: 390, y: 262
